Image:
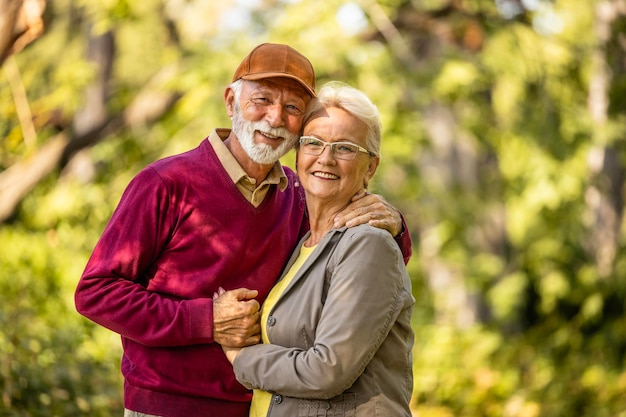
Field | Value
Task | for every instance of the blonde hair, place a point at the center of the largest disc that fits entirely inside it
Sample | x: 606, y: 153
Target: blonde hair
x: 355, y: 102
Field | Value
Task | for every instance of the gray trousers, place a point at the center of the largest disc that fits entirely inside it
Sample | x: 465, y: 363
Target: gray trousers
x: 129, y: 413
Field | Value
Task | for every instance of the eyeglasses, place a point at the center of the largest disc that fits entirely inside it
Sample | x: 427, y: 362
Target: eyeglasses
x: 311, y: 145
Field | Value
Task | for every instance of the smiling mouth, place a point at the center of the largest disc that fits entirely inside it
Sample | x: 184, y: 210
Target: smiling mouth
x: 269, y: 135
x: 325, y: 175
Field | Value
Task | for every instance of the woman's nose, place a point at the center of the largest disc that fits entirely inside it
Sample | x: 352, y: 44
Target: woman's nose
x: 327, y: 155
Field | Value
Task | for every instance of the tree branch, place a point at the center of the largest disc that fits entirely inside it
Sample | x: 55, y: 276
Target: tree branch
x: 21, y: 22
x: 18, y: 180
x: 391, y: 34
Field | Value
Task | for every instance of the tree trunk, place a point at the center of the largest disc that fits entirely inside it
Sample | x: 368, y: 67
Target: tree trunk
x: 604, y: 196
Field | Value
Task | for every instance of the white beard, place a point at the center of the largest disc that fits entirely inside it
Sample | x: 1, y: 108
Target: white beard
x: 261, y: 153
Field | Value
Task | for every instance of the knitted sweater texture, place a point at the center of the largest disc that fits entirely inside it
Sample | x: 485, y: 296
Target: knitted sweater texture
x: 182, y: 230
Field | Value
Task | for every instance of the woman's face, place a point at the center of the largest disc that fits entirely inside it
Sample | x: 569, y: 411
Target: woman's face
x: 325, y: 176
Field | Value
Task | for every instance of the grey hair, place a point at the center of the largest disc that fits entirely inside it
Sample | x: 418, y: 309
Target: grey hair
x: 237, y: 86
x: 355, y: 102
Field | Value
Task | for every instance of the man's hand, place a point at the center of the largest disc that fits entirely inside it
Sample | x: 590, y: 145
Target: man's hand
x: 236, y: 318
x: 372, y: 209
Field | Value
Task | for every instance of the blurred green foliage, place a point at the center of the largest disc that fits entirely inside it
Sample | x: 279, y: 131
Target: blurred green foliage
x: 486, y: 150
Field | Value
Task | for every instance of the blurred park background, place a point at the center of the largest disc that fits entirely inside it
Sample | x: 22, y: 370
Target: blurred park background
x: 504, y: 146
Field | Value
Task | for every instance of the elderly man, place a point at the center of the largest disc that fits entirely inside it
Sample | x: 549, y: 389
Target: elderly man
x: 224, y: 215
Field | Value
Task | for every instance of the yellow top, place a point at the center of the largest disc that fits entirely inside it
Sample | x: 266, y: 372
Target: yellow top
x: 261, y: 399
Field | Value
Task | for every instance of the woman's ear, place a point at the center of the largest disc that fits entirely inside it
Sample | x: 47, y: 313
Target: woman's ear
x: 371, y: 169
x: 373, y: 165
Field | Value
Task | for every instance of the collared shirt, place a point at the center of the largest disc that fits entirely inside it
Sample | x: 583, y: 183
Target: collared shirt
x: 247, y: 185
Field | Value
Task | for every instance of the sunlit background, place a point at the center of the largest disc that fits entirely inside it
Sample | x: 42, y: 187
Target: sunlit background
x: 504, y: 148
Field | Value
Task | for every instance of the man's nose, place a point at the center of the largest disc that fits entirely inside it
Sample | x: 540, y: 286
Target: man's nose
x: 275, y: 115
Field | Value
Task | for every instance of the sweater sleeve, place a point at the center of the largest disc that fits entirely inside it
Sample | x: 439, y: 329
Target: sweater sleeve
x: 112, y: 290
x: 359, y: 312
x: 404, y: 242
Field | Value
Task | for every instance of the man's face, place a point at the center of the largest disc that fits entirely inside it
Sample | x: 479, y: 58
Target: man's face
x: 267, y: 118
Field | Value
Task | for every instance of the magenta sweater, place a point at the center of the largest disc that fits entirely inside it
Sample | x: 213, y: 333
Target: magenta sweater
x: 183, y: 229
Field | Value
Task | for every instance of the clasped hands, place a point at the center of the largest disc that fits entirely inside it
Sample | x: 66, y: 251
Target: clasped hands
x: 236, y: 313
x: 236, y: 317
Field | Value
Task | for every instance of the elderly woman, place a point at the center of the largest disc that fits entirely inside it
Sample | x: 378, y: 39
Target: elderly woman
x: 336, y: 327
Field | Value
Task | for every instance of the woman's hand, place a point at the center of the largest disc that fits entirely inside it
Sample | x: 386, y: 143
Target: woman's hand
x: 231, y: 353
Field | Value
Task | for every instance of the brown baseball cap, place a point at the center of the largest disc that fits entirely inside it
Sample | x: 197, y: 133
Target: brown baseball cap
x: 270, y: 60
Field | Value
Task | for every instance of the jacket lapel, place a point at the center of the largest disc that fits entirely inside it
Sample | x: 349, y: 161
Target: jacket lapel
x: 328, y: 243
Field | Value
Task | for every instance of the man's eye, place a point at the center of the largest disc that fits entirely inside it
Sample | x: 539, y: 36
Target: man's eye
x: 291, y: 109
x: 260, y: 100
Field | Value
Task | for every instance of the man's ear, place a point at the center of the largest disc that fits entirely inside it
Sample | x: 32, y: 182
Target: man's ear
x: 229, y: 101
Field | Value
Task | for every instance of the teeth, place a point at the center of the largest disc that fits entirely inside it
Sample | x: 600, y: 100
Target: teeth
x: 325, y: 175
x: 269, y: 135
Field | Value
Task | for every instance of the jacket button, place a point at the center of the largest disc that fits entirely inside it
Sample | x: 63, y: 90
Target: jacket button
x: 277, y: 399
x: 271, y: 320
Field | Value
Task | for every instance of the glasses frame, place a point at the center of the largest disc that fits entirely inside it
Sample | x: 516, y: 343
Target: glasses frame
x: 332, y: 147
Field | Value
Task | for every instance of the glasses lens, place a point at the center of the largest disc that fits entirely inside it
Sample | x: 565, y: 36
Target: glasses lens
x: 311, y: 145
x: 342, y: 150
x: 345, y: 150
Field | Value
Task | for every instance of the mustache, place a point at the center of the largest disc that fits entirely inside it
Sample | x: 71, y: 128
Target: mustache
x: 265, y: 128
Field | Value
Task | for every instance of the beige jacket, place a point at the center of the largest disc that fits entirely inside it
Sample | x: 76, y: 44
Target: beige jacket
x: 340, y: 334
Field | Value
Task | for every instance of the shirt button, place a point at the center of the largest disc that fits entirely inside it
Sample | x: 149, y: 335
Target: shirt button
x: 271, y: 320
x: 277, y: 399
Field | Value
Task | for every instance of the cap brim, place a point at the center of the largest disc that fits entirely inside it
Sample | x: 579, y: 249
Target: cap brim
x: 264, y: 75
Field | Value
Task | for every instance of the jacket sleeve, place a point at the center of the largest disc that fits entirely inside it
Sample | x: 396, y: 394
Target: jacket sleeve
x: 361, y: 307
x: 112, y: 290
x: 403, y: 239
